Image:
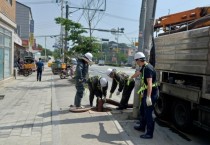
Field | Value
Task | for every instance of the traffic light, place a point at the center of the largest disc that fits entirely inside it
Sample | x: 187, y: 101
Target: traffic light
x: 104, y: 39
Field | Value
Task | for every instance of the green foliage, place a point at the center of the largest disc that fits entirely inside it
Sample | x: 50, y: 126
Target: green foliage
x: 48, y: 52
x: 80, y: 44
x: 121, y: 57
x: 86, y: 44
x: 56, y: 54
x: 74, y: 29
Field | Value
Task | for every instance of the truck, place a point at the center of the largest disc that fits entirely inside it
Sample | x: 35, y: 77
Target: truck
x: 182, y: 54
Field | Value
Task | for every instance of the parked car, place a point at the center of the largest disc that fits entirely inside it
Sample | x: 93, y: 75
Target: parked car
x: 101, y: 62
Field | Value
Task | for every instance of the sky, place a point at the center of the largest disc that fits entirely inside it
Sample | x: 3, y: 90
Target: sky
x: 119, y: 14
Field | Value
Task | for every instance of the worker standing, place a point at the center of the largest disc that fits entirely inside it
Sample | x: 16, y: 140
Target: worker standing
x: 97, y: 86
x: 40, y: 68
x: 80, y: 77
x: 149, y: 91
x: 121, y: 79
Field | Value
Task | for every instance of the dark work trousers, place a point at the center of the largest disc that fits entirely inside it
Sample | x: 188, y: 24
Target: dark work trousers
x: 126, y: 94
x: 91, y: 95
x: 146, y: 119
x: 79, y: 94
x: 39, y: 75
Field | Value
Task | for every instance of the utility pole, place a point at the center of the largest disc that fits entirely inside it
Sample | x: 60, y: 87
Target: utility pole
x: 142, y: 20
x: 66, y: 32
x: 62, y: 50
x: 45, y: 41
x: 149, y: 27
x: 146, y: 22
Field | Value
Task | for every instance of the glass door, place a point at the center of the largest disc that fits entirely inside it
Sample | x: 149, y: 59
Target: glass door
x: 7, y: 63
x: 1, y: 64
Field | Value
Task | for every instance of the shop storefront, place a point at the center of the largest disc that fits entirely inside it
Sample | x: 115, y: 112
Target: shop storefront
x: 5, y: 53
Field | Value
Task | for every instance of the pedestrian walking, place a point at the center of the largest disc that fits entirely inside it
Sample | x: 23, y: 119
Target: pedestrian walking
x: 80, y: 77
x: 40, y: 68
x: 126, y: 86
x: 97, y: 86
x: 149, y: 92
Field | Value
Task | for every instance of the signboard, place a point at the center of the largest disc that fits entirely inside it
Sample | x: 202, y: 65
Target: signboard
x: 31, y: 39
x: 25, y: 43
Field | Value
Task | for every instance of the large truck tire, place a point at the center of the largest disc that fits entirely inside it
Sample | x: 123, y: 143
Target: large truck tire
x: 161, y: 107
x: 181, y: 115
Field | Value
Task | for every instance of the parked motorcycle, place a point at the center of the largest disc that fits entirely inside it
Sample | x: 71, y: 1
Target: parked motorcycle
x: 68, y: 72
x: 24, y: 72
x: 21, y: 70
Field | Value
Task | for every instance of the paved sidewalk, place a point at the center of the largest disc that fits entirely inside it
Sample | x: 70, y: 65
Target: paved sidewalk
x: 23, y: 110
x: 32, y: 114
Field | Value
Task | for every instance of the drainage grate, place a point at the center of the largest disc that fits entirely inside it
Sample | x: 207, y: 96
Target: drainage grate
x: 1, y: 97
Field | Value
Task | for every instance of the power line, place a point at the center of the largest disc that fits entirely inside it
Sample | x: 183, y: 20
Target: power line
x: 119, y: 17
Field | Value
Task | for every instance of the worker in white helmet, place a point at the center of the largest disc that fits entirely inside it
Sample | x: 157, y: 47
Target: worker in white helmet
x: 97, y: 86
x: 81, y: 72
x: 125, y: 86
x: 149, y: 92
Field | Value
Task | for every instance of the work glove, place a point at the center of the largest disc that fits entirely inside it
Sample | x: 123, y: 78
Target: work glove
x: 110, y: 95
x: 129, y: 80
x: 149, y: 101
x: 118, y: 93
x: 104, y: 98
x: 82, y: 80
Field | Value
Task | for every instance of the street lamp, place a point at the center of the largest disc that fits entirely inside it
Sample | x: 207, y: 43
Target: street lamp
x: 117, y: 33
x: 102, y: 39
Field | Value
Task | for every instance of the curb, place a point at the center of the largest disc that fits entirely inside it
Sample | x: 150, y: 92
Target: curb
x: 55, y: 116
x: 124, y: 135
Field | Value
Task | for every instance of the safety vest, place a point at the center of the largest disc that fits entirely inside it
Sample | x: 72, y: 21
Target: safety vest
x: 143, y: 85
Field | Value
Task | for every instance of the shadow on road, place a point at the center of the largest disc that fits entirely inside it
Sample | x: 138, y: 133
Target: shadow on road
x: 104, y: 136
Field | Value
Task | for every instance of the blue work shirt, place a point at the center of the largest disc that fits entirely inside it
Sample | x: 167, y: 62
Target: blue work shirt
x: 39, y: 65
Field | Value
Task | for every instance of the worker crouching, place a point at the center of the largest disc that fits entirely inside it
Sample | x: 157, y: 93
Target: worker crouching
x: 97, y: 86
x: 125, y: 84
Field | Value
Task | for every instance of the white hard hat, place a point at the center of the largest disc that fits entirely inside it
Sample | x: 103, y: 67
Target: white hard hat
x: 139, y: 55
x: 89, y: 56
x: 73, y: 59
x: 103, y: 82
x: 108, y: 71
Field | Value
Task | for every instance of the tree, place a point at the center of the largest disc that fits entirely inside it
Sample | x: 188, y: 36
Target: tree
x: 121, y: 57
x: 48, y: 52
x: 56, y: 54
x: 80, y: 44
x: 93, y: 13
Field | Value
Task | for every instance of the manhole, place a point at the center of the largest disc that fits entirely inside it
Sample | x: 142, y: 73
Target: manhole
x: 1, y: 97
x: 103, y: 110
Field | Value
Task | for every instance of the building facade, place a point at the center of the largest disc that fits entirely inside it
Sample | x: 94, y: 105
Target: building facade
x: 7, y: 30
x: 25, y: 25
